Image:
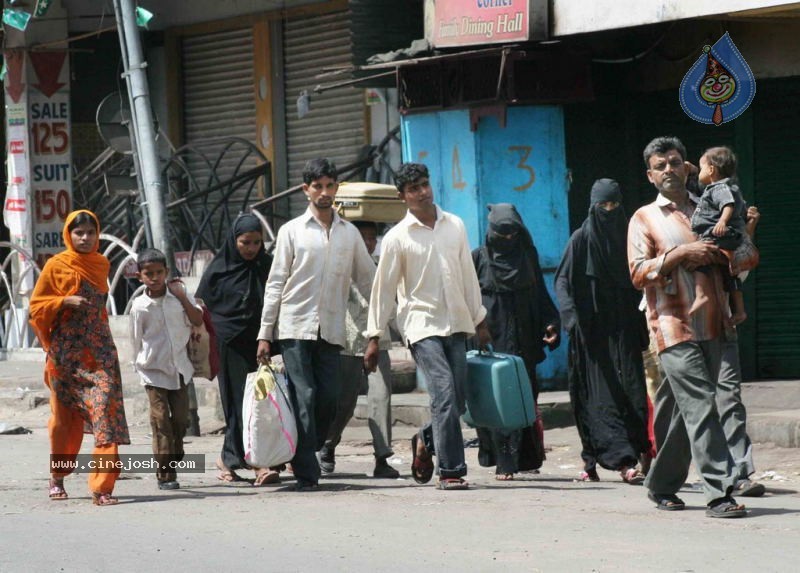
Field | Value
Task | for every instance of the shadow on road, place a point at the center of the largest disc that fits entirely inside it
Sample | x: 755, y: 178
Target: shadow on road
x: 765, y: 511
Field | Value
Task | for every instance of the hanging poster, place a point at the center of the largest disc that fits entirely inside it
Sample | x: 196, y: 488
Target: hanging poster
x: 17, y: 207
x: 50, y: 150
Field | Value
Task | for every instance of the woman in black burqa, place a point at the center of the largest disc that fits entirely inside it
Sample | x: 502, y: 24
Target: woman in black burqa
x: 232, y: 288
x: 607, y: 334
x: 522, y: 320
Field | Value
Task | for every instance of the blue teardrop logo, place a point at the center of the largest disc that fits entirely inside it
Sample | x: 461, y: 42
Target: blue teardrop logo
x: 720, y: 86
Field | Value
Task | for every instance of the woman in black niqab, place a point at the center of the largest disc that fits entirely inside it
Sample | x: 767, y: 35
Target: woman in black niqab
x: 600, y: 311
x: 232, y: 287
x: 522, y: 320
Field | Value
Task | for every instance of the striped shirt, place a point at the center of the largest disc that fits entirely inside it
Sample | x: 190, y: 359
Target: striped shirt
x: 654, y: 230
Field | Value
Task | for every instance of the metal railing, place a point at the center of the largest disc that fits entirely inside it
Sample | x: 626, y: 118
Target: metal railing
x: 200, y: 212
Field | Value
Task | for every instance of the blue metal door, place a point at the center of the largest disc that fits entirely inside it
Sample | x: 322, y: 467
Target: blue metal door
x: 444, y: 142
x: 523, y: 163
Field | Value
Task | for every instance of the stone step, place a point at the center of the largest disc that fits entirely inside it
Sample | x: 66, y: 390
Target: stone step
x: 413, y: 409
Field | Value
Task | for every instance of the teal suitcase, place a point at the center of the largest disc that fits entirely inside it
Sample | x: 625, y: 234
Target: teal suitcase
x: 498, y: 392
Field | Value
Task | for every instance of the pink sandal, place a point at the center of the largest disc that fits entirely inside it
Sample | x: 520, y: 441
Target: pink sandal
x: 57, y: 491
x: 104, y: 499
x: 632, y: 476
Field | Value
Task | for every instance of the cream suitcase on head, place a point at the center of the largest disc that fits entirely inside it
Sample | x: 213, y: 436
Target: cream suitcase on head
x: 369, y: 202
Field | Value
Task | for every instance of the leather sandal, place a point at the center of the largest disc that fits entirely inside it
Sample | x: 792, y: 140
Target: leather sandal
x: 666, y: 501
x: 448, y: 484
x: 725, y: 508
x: 227, y: 475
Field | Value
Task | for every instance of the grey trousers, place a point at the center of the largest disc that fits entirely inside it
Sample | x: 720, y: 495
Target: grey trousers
x: 695, y: 431
x: 312, y: 367
x: 379, y: 402
x: 443, y: 361
x: 732, y: 413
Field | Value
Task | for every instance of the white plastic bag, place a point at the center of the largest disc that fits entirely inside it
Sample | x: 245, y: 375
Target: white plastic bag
x: 270, y: 431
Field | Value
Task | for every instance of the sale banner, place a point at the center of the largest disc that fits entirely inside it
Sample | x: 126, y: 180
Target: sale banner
x: 50, y: 150
x: 17, y: 204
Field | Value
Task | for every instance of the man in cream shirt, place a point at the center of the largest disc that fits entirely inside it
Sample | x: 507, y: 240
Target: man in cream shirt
x: 317, y: 255
x: 426, y: 265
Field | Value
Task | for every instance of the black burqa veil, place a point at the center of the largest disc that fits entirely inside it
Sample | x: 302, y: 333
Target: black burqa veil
x: 600, y: 310
x: 233, y: 288
x: 519, y: 309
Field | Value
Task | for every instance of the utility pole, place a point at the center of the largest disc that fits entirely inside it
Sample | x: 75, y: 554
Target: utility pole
x: 148, y: 166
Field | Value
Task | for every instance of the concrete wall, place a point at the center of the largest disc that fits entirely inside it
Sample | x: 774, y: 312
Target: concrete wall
x: 581, y: 16
x: 770, y: 49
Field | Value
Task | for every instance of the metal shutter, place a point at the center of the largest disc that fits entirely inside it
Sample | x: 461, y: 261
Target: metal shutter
x: 776, y: 151
x: 219, y: 98
x: 335, y: 124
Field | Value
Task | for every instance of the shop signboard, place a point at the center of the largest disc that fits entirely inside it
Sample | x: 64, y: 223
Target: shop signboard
x: 452, y: 23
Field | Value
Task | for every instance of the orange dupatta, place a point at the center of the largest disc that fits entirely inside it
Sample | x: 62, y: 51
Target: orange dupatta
x: 61, y: 277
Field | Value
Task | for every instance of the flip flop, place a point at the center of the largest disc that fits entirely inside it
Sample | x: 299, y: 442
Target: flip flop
x: 227, y: 475
x: 266, y: 478
x: 588, y: 476
x: 504, y: 477
x: 448, y: 484
x: 666, y: 502
x: 421, y: 470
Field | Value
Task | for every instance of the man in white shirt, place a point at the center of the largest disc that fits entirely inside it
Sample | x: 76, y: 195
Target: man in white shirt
x: 426, y: 264
x: 305, y: 300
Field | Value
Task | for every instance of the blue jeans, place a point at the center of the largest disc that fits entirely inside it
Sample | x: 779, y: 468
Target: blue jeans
x: 443, y: 361
x: 312, y: 367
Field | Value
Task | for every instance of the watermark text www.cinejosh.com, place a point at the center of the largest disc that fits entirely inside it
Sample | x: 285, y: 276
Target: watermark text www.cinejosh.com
x: 129, y: 463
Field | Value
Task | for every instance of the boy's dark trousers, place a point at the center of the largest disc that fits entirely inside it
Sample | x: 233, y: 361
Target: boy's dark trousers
x: 169, y: 411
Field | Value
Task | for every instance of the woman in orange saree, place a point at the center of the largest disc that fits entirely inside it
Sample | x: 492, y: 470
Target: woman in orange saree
x: 69, y: 317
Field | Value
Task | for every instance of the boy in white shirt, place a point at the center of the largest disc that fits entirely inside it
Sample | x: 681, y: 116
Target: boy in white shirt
x: 161, y: 324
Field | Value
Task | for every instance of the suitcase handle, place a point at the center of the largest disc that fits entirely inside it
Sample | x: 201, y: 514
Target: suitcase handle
x: 489, y: 352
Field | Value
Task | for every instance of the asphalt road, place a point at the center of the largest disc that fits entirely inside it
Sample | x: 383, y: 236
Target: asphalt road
x: 545, y: 522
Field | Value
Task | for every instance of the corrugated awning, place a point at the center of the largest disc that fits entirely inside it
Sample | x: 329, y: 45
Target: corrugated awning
x: 393, y: 65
